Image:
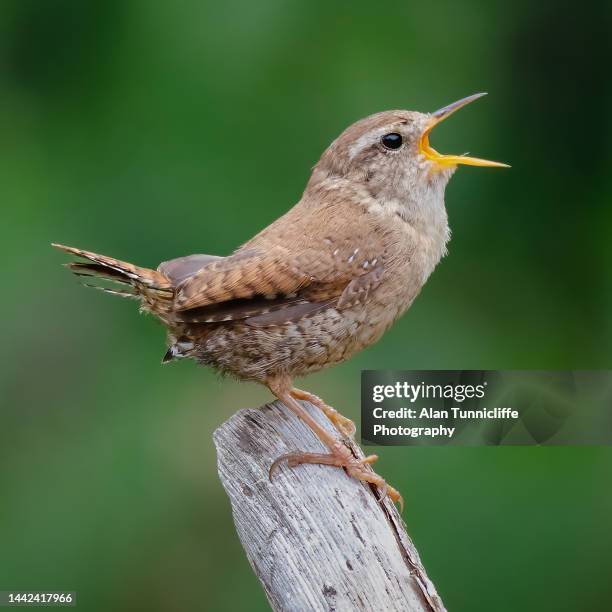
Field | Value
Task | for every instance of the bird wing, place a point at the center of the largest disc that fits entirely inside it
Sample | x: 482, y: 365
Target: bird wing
x: 273, y: 284
x: 181, y: 268
x: 243, y: 275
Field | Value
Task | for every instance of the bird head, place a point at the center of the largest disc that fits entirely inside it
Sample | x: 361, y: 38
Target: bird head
x: 389, y: 154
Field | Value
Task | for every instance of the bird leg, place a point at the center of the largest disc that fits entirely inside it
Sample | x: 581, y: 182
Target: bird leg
x: 345, y: 426
x: 340, y: 455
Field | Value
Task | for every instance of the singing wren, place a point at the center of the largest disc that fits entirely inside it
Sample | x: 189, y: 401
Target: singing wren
x: 320, y: 283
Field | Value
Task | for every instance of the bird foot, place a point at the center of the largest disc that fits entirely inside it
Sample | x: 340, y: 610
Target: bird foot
x: 341, y: 456
x: 343, y: 424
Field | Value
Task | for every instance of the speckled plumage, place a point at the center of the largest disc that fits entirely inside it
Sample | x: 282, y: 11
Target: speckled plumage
x: 323, y: 281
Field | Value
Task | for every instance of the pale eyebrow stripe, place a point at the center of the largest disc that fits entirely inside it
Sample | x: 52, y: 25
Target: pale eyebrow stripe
x: 365, y: 140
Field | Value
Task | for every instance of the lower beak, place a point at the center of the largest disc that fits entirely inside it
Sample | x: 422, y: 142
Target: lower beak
x: 446, y: 161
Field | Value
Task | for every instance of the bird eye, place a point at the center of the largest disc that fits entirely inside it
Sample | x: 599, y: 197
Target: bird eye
x: 392, y: 141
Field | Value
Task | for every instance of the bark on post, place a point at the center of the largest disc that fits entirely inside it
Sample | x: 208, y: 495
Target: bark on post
x: 317, y: 539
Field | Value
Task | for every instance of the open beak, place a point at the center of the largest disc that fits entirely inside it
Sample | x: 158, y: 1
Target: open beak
x: 446, y: 161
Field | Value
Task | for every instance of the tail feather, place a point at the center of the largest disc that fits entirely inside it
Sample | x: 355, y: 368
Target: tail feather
x: 121, y: 293
x: 153, y: 287
x: 92, y: 269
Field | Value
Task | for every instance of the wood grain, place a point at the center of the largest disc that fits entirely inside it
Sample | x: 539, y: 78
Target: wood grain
x: 317, y: 539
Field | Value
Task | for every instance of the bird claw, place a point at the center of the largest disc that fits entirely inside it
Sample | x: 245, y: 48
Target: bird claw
x: 297, y: 458
x: 339, y: 457
x: 384, y: 490
x: 395, y: 497
x: 277, y: 462
x: 369, y: 460
x: 343, y: 424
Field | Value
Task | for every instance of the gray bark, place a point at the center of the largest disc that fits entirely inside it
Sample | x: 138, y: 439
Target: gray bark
x: 316, y: 538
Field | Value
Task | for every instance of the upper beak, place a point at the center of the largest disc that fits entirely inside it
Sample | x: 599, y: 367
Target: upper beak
x: 445, y: 161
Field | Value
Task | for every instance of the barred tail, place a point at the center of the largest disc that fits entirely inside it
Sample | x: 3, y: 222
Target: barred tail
x: 155, y: 289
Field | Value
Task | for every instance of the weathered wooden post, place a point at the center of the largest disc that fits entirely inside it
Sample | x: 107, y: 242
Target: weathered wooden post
x: 316, y: 538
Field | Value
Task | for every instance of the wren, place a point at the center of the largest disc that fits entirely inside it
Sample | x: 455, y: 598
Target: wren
x: 320, y: 283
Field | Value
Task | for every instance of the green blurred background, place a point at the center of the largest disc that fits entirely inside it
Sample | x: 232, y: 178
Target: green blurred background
x: 150, y: 130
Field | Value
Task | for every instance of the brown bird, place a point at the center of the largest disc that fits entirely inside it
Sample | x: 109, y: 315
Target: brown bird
x: 322, y: 282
